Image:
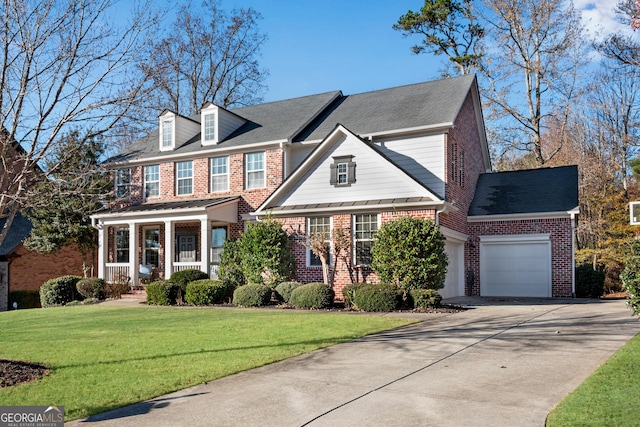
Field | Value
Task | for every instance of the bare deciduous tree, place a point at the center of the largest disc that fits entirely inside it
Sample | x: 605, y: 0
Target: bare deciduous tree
x: 64, y: 64
x: 209, y: 56
x: 533, y: 57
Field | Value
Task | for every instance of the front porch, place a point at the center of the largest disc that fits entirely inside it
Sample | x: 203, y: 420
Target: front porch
x: 158, y: 239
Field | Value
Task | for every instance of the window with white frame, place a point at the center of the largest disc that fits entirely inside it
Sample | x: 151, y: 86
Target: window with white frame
x: 122, y: 245
x: 255, y: 170
x: 319, y: 226
x: 365, y: 226
x: 167, y: 135
x: 209, y: 127
x: 123, y: 182
x: 184, y: 178
x: 219, y: 174
x: 151, y: 181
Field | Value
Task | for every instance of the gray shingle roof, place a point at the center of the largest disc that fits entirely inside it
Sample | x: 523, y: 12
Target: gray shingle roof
x: 402, y: 107
x: 527, y: 191
x: 20, y: 230
x: 267, y: 122
x: 390, y: 109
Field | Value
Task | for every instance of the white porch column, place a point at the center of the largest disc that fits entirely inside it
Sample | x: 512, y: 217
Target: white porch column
x: 168, y: 249
x: 134, y: 242
x: 102, y: 250
x: 205, y: 243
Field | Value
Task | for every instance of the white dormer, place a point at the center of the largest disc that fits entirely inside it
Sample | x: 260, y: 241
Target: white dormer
x: 216, y: 124
x: 175, y: 129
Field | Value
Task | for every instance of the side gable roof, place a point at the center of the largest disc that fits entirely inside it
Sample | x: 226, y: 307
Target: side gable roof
x: 548, y: 190
x: 294, y: 194
x: 405, y: 107
x: 269, y: 122
x: 20, y: 230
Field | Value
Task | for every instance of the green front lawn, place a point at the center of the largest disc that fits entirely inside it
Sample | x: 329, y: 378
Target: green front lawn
x: 104, y: 357
x: 609, y: 397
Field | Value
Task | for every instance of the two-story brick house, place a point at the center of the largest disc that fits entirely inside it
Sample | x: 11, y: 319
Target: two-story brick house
x: 315, y: 163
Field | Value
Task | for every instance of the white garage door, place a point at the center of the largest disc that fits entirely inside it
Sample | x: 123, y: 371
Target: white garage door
x: 454, y: 281
x: 515, y: 266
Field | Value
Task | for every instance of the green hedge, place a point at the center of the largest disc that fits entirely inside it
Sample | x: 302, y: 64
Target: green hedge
x: 589, y: 282
x: 184, y: 277
x: 424, y: 298
x: 25, y: 299
x: 59, y: 291
x: 206, y: 292
x: 349, y: 291
x: 376, y: 297
x: 92, y: 287
x: 284, y: 289
x: 252, y: 295
x: 312, y: 296
x: 162, y: 293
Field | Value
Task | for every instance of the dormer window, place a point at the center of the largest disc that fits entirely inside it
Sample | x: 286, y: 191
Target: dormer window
x: 209, y: 128
x: 166, y: 135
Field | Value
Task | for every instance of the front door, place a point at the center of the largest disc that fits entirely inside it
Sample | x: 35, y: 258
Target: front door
x: 187, y: 248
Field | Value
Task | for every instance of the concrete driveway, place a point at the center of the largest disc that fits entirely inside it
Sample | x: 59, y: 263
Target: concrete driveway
x: 499, y: 363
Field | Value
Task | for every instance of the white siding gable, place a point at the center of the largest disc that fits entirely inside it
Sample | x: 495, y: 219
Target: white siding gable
x: 422, y: 157
x: 376, y: 177
x: 225, y: 123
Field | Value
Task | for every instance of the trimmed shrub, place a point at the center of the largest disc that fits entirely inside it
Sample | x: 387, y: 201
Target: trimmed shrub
x: 162, y: 293
x: 312, y: 296
x: 284, y: 289
x: 59, y: 291
x: 589, y: 282
x: 409, y: 252
x: 115, y: 290
x: 424, y: 298
x: 349, y: 291
x: 231, y: 264
x: 24, y: 299
x: 376, y: 297
x: 206, y: 292
x: 265, y: 251
x: 92, y: 287
x: 184, y: 277
x: 252, y: 295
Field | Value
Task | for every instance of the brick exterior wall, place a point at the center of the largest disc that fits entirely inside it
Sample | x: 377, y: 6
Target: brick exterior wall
x: 561, y: 248
x: 28, y: 270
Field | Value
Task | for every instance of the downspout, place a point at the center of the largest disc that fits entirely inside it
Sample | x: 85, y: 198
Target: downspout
x: 439, y: 211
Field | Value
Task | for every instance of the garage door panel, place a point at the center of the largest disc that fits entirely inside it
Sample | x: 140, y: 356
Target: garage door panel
x: 515, y: 269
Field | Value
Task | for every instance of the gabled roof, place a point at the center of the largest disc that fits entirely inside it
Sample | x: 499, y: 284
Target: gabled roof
x: 535, y: 191
x: 407, y: 191
x: 20, y: 230
x: 405, y: 107
x: 269, y: 122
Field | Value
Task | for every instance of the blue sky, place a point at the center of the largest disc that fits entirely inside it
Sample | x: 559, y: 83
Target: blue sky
x: 349, y: 45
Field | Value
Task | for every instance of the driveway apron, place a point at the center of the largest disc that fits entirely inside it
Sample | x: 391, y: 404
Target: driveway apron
x: 499, y: 363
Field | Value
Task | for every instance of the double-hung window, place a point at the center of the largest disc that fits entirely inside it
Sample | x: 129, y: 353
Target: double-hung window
x: 255, y: 170
x: 123, y: 182
x: 319, y: 228
x: 342, y: 171
x: 219, y: 174
x: 365, y: 226
x: 209, y: 127
x: 167, y: 135
x: 151, y: 181
x: 122, y: 245
x: 184, y: 177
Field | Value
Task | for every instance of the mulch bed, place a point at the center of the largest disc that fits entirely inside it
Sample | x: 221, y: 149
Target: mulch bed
x: 14, y: 372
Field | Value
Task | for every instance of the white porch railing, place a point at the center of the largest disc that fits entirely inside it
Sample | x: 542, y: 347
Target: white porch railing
x: 117, y: 273
x: 179, y: 266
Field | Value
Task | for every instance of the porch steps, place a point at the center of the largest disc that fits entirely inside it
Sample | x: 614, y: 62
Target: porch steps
x: 136, y: 294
